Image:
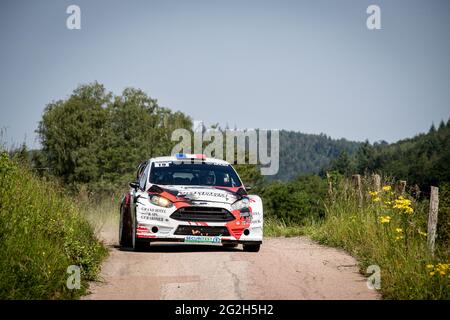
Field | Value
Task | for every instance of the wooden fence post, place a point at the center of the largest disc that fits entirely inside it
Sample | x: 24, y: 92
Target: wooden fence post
x: 416, y: 191
x: 357, y: 185
x: 433, y: 218
x: 402, y: 187
x: 376, y: 182
x: 330, y: 185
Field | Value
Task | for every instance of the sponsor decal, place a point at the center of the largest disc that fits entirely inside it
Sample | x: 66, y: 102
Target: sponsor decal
x: 151, y: 214
x: 152, y: 218
x: 146, y: 209
x: 203, y: 193
x: 162, y: 164
x: 202, y: 239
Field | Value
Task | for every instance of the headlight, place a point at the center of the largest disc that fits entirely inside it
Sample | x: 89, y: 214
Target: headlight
x: 160, y: 201
x: 240, y: 204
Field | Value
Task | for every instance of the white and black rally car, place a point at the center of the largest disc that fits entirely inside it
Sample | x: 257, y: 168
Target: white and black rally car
x: 191, y: 199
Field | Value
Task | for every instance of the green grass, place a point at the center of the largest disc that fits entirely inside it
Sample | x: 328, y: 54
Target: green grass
x: 42, y: 233
x: 278, y: 228
x: 402, y: 255
x: 102, y: 212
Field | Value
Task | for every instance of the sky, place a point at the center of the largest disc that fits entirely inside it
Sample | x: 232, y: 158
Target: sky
x: 310, y: 66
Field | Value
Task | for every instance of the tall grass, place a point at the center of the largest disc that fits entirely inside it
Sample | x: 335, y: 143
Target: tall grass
x: 388, y: 230
x: 102, y: 211
x: 278, y: 228
x: 42, y: 233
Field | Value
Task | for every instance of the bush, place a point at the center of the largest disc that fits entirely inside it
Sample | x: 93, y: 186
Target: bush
x: 42, y: 232
x: 295, y: 202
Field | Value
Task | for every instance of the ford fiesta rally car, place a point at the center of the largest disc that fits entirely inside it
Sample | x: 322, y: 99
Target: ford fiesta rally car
x: 191, y: 199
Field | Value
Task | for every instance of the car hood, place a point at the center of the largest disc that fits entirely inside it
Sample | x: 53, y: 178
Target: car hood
x: 205, y: 194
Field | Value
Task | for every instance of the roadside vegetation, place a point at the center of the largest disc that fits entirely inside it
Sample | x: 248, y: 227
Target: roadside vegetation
x: 42, y: 232
x: 389, y: 229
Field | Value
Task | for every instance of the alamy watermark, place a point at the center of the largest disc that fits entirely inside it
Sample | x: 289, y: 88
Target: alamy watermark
x: 374, y: 280
x: 249, y: 146
x: 373, y: 21
x: 74, y: 278
x: 73, y: 21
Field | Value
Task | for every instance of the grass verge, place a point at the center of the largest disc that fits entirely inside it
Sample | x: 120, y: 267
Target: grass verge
x: 388, y: 230
x: 278, y: 228
x: 42, y: 233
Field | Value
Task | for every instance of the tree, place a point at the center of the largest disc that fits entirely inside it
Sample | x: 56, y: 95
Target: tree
x: 71, y: 132
x: 365, y: 157
x: 342, y: 164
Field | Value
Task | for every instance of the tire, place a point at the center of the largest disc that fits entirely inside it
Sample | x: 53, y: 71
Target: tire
x: 251, y: 247
x: 229, y: 245
x: 125, y: 228
x: 140, y: 245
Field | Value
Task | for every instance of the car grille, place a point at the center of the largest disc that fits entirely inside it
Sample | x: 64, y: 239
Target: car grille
x: 206, y: 214
x: 201, y: 231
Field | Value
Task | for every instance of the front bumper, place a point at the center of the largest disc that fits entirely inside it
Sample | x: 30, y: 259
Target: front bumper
x: 177, y: 231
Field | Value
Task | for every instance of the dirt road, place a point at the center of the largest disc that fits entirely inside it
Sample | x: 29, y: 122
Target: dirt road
x: 285, y: 268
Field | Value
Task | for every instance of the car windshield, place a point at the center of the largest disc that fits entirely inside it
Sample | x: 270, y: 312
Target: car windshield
x: 193, y: 174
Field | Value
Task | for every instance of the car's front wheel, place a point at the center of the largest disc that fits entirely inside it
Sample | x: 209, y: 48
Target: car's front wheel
x: 125, y: 228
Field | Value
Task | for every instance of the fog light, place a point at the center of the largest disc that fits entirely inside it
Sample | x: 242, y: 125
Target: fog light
x: 155, y: 229
x: 246, y: 232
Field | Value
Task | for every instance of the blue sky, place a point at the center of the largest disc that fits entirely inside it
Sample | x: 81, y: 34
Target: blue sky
x: 309, y: 66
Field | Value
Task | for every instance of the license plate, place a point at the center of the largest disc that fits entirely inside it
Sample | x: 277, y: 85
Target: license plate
x: 202, y: 239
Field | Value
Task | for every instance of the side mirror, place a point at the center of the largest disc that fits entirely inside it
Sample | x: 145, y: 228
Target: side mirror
x: 248, y: 188
x: 241, y: 191
x: 134, y: 184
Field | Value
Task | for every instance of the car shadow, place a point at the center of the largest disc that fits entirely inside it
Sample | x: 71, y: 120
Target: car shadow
x: 179, y: 247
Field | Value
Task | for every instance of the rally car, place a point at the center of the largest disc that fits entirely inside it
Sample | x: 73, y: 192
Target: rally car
x: 191, y: 199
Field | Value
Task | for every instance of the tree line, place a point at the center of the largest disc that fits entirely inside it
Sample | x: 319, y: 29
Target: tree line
x: 96, y: 138
x: 423, y: 160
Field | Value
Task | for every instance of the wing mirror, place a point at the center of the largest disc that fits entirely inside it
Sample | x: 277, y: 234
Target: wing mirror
x: 242, y: 192
x: 134, y: 185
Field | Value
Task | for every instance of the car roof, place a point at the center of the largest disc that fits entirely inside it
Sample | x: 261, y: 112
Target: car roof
x: 172, y: 158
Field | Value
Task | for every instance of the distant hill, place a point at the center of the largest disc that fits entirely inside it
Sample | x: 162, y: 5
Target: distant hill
x: 302, y: 153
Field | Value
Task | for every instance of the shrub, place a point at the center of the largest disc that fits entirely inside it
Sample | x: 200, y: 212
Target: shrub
x: 294, y: 202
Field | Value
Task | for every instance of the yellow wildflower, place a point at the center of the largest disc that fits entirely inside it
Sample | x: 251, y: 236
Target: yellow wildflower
x: 422, y: 233
x: 385, y: 219
x: 403, y: 205
x: 439, y: 269
x: 398, y: 230
x: 387, y: 188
